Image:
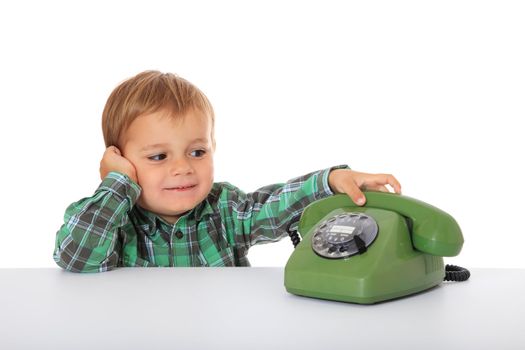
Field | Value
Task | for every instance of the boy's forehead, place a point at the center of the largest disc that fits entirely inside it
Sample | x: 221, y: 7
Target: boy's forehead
x: 162, y: 126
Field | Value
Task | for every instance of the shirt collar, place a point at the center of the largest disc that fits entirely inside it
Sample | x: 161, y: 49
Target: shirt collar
x: 202, y: 209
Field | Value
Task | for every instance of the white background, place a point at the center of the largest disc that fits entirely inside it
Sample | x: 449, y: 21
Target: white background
x: 429, y: 91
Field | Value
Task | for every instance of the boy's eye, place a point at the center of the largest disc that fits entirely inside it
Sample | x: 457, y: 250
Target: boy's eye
x: 198, y: 153
x: 157, y: 157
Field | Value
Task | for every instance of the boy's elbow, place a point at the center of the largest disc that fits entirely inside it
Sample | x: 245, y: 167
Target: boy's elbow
x: 66, y: 267
x: 66, y: 261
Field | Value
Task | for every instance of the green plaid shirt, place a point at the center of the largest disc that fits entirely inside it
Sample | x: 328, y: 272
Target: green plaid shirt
x: 108, y: 230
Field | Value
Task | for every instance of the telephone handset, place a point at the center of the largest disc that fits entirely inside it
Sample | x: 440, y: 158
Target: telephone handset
x: 391, y: 247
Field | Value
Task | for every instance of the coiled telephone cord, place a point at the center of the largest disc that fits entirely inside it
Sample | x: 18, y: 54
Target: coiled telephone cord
x: 294, y: 234
x: 456, y: 273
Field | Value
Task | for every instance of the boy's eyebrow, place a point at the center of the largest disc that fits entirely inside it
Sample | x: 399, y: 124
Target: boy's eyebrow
x: 200, y: 139
x: 153, y: 146
x: 161, y: 145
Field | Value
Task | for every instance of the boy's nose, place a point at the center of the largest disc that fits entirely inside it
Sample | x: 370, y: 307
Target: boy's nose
x: 180, y: 167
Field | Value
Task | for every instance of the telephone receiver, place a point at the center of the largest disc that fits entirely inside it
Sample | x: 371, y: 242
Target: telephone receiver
x: 388, y: 248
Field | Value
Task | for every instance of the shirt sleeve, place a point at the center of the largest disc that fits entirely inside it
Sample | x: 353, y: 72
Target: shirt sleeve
x: 263, y: 216
x: 88, y: 239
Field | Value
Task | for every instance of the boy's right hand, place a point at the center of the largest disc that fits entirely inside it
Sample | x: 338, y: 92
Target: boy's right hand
x: 112, y: 160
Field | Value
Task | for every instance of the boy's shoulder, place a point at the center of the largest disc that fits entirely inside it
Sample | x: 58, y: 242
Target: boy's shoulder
x: 225, y: 194
x: 220, y: 186
x: 220, y: 198
x: 222, y: 189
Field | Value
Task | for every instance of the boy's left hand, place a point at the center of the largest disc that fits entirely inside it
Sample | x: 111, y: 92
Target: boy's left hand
x: 353, y: 182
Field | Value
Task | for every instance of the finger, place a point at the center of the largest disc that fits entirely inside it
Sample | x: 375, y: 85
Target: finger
x: 392, y: 181
x: 384, y: 179
x: 379, y: 188
x: 116, y: 150
x: 353, y: 191
x: 112, y: 149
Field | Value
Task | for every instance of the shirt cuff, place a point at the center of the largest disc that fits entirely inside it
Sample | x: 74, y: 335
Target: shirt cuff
x: 122, y: 186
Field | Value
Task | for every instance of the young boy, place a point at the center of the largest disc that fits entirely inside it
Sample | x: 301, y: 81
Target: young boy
x: 157, y: 204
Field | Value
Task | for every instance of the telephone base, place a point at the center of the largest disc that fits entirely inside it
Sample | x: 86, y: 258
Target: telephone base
x: 364, y: 298
x: 389, y: 269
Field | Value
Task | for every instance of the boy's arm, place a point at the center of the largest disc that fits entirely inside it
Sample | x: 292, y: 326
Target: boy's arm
x: 88, y: 239
x: 263, y: 216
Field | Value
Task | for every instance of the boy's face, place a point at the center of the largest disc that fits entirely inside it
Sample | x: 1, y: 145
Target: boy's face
x: 173, y: 158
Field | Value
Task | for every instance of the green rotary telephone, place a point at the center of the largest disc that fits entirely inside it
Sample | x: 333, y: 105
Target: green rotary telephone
x: 389, y: 248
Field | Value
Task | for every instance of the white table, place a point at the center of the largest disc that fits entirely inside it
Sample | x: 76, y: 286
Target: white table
x: 248, y: 308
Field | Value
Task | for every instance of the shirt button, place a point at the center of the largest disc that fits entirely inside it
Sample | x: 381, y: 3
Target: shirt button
x: 179, y: 234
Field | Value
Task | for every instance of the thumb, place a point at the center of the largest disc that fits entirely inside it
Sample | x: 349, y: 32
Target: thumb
x: 353, y: 191
x: 116, y: 150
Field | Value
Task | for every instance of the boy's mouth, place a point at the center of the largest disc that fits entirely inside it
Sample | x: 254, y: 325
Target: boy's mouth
x: 180, y: 188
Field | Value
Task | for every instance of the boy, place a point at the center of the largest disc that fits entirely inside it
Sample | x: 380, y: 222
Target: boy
x: 157, y: 204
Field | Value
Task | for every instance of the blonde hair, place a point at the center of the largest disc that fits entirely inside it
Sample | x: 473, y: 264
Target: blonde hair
x: 148, y: 92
